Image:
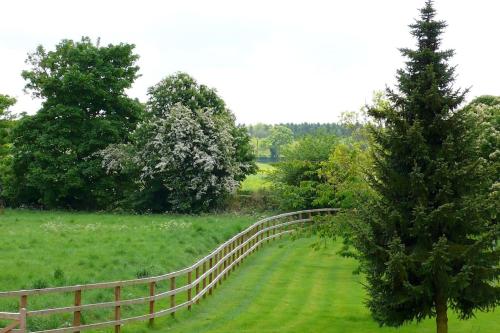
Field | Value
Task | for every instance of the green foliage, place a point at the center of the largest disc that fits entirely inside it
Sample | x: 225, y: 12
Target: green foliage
x: 258, y: 181
x: 6, y: 124
x: 345, y: 176
x: 296, y: 181
x: 84, y: 110
x: 321, y: 171
x: 427, y: 242
x: 262, y: 142
x: 280, y: 136
x: 187, y: 155
x: 184, y: 89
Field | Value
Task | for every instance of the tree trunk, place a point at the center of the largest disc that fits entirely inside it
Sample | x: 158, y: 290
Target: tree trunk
x: 441, y: 314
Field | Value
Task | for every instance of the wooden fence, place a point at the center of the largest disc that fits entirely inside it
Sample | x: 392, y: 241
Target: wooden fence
x: 202, y: 278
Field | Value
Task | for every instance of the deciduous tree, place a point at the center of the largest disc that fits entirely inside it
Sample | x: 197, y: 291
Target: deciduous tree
x: 188, y: 154
x: 84, y: 109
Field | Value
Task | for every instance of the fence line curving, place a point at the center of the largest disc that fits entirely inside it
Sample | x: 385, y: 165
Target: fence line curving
x: 202, y: 278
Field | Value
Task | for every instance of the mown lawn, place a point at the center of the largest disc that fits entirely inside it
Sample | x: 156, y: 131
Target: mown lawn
x: 44, y: 249
x: 285, y: 287
x: 289, y: 287
x: 258, y: 181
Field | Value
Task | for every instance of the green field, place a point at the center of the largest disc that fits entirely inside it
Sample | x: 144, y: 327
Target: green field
x: 289, y: 287
x: 45, y: 249
x: 285, y: 287
x: 258, y: 181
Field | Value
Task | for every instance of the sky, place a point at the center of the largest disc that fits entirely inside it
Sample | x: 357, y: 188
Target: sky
x: 271, y: 61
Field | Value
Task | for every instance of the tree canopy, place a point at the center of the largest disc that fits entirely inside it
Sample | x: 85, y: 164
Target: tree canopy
x: 427, y: 243
x: 84, y: 109
x: 188, y: 154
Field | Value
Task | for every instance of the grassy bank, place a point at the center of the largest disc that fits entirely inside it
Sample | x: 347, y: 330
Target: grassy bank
x: 258, y: 181
x: 44, y: 249
x: 288, y: 287
x: 285, y: 287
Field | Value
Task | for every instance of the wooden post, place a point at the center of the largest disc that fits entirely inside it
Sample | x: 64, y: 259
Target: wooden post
x: 233, y: 256
x: 189, y: 290
x: 117, y: 308
x: 280, y: 228
x: 23, y: 302
x: 242, y: 250
x: 267, y: 234
x: 216, y: 270
x: 257, y: 238
x: 152, y: 286
x: 204, y: 280
x: 172, y: 297
x: 252, y: 243
x: 238, y: 252
x: 225, y: 262
x: 23, y: 327
x: 263, y: 232
x: 23, y: 305
x: 197, y: 290
x: 311, y: 219
x: 247, y: 244
x: 221, y: 266
x: 210, y: 275
x: 77, y: 315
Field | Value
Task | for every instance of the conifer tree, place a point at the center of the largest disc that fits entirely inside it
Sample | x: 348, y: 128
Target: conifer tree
x: 427, y: 244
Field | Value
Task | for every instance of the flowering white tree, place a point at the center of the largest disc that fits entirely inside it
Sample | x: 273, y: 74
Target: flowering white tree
x: 186, y: 157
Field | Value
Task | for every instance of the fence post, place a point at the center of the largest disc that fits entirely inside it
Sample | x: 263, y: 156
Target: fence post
x: 77, y: 315
x: 257, y: 239
x: 152, y: 286
x: 189, y: 290
x: 23, y: 305
x: 197, y: 290
x: 225, y: 261
x: 210, y: 275
x: 262, y: 235
x: 220, y: 267
x: 22, y: 321
x: 204, y: 280
x: 242, y: 250
x: 254, y: 231
x: 267, y: 234
x: 216, y: 270
x: 117, y: 308
x: 238, y: 252
x: 23, y: 302
x: 233, y: 256
x: 172, y: 297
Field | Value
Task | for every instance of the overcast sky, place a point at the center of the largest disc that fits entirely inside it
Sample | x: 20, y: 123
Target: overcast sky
x: 271, y: 61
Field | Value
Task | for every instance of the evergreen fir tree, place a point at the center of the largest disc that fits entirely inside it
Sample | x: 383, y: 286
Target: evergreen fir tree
x: 428, y: 244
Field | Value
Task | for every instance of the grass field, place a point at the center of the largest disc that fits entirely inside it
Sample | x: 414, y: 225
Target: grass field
x: 258, y: 181
x: 285, y: 287
x: 43, y: 249
x: 288, y: 287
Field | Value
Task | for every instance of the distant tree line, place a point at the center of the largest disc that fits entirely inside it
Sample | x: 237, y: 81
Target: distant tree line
x: 261, y: 130
x: 269, y: 140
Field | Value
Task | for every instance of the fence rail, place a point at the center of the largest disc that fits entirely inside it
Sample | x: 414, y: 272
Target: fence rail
x: 202, y: 278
